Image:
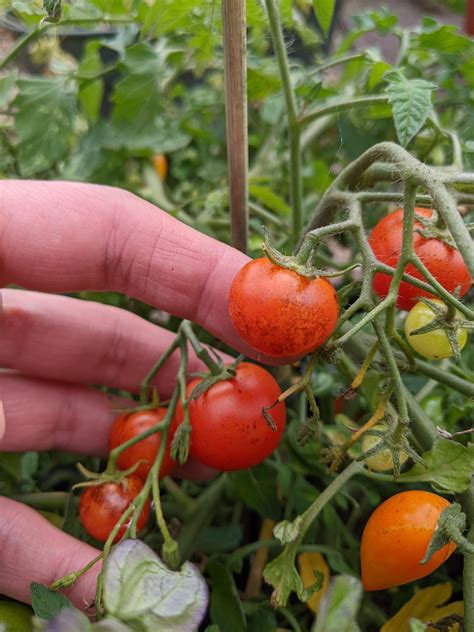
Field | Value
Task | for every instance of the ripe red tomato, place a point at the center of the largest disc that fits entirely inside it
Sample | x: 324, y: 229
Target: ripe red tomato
x: 130, y: 425
x: 444, y: 263
x: 101, y: 506
x: 280, y: 312
x: 229, y: 431
x: 396, y: 538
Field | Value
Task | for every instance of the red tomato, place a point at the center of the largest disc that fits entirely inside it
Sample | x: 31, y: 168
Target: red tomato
x: 444, y: 263
x: 229, y: 431
x: 396, y: 538
x: 130, y: 425
x: 279, y: 312
x: 101, y: 507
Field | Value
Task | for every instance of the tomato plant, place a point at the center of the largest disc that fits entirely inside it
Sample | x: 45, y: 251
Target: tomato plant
x: 444, y: 262
x: 280, y: 312
x: 129, y: 425
x: 305, y: 148
x: 229, y: 431
x: 101, y: 507
x: 396, y: 538
x: 435, y: 344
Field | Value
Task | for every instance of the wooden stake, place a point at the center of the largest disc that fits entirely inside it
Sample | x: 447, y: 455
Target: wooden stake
x: 235, y: 79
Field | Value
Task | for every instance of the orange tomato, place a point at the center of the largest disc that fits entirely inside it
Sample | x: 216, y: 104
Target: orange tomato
x: 396, y: 538
x: 160, y: 163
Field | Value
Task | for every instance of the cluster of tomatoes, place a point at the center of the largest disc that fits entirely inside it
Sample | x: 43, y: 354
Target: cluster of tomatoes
x: 229, y: 432
x: 284, y: 314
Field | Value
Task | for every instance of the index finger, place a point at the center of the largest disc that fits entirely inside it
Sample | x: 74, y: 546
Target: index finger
x: 66, y: 236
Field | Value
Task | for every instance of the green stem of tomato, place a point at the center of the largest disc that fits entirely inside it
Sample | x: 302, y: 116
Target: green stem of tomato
x: 201, y: 352
x: 294, y: 128
x: 105, y: 552
x: 468, y: 573
x: 343, y: 106
x: 286, y: 560
x: 70, y: 579
x: 150, y: 376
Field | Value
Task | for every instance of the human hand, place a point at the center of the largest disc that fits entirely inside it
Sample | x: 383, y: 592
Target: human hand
x: 67, y: 237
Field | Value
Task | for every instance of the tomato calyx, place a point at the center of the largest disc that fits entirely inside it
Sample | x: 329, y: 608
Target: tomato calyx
x: 94, y: 479
x: 450, y: 528
x: 153, y: 404
x: 445, y: 317
x: 302, y: 265
x: 433, y: 227
x: 396, y: 443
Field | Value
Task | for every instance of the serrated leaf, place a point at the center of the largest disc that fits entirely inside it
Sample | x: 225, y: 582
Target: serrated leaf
x: 137, y: 95
x: 448, y: 466
x: 339, y: 607
x: 446, y: 39
x: 47, y: 603
x: 144, y: 593
x: 411, y: 103
x: 225, y: 607
x: 43, y: 123
x: 324, y: 12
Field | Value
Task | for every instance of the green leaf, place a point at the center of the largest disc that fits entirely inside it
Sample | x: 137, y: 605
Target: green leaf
x: 268, y: 198
x: 141, y: 591
x: 219, y: 539
x: 43, y: 123
x: 46, y: 603
x: 225, y: 607
x: 376, y: 74
x: 445, y: 39
x: 448, y: 466
x: 262, y: 620
x: 261, y: 84
x: 339, y: 606
x: 137, y: 96
x: 281, y: 573
x: 411, y: 103
x: 257, y: 488
x: 6, y: 87
x: 324, y: 11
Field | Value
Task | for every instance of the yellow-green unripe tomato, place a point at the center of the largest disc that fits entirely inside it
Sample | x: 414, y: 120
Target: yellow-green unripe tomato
x: 380, y: 461
x: 15, y: 616
x: 434, y: 345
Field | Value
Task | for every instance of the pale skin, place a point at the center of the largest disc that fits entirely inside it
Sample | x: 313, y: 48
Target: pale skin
x: 66, y: 237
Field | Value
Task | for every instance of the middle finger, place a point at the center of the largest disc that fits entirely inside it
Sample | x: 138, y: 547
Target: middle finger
x: 62, y: 338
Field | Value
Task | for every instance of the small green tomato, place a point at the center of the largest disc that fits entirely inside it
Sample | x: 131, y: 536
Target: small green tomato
x: 15, y: 616
x: 381, y: 461
x: 433, y: 345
